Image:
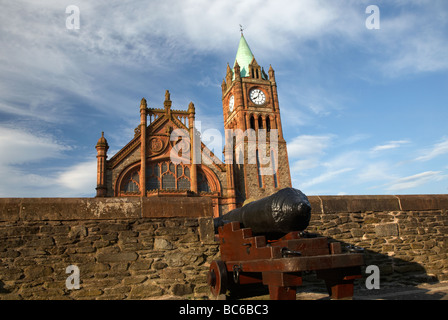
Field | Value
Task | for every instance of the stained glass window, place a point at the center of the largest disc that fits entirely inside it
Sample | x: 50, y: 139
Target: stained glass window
x: 203, y: 185
x: 131, y: 183
x: 168, y: 182
x: 183, y: 184
x: 164, y: 175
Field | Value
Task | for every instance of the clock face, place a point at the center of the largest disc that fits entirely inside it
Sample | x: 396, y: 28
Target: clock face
x: 231, y: 103
x: 257, y: 96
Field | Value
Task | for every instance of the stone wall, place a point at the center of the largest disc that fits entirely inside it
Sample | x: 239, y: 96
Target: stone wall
x: 133, y: 248
x: 405, y: 236
x: 125, y: 248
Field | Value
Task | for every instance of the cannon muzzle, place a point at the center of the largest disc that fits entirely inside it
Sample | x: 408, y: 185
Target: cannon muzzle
x: 280, y: 213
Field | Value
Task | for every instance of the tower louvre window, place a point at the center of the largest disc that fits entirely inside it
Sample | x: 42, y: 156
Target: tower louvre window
x: 252, y: 122
x: 260, y: 122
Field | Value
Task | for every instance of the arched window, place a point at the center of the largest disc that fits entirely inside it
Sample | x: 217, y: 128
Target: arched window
x: 183, y: 184
x: 260, y: 122
x: 203, y: 185
x: 132, y: 182
x: 152, y: 177
x: 164, y: 175
x: 168, y: 181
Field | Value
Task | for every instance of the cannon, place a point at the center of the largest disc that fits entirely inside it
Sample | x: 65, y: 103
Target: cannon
x: 280, y: 213
x: 265, y: 242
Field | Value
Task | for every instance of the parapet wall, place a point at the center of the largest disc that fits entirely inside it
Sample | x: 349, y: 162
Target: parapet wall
x: 123, y: 247
x: 405, y: 236
x: 133, y: 248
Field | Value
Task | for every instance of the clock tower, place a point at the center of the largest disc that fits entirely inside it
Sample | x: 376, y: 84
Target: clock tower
x: 258, y: 165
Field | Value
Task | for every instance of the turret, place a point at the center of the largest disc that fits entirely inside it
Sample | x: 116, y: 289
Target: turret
x: 101, y: 148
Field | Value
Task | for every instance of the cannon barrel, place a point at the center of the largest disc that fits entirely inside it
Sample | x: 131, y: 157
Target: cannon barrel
x: 280, y: 213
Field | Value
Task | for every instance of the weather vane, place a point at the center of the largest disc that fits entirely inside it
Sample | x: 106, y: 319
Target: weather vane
x: 241, y: 29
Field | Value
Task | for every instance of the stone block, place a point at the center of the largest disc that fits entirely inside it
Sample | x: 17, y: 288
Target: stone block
x: 38, y: 271
x: 206, y: 230
x: 63, y: 209
x: 141, y: 265
x: 180, y: 289
x: 9, y: 209
x: 164, y: 207
x: 386, y: 230
x: 159, y: 265
x: 337, y: 204
x: 117, y: 257
x: 161, y: 244
x: 145, y: 291
x: 423, y: 202
x: 356, y: 233
x: 315, y: 203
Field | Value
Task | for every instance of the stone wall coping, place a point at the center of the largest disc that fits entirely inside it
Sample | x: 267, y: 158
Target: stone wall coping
x: 38, y: 209
x: 29, y: 209
x: 377, y: 203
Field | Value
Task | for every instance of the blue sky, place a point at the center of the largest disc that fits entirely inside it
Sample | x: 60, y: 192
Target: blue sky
x: 364, y: 111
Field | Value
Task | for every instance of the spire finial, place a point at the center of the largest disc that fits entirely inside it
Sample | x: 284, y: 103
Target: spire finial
x: 241, y: 29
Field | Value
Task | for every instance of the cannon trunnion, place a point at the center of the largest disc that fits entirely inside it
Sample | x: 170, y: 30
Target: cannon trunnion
x: 248, y: 258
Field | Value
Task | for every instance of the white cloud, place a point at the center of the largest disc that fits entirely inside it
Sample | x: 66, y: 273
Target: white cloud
x: 389, y: 145
x: 377, y: 171
x: 308, y: 146
x: 80, y: 178
x: 20, y: 147
x: 437, y: 150
x: 155, y: 35
x: 303, y: 165
x: 415, y: 180
x: 414, y: 41
x: 327, y: 176
x: 21, y: 150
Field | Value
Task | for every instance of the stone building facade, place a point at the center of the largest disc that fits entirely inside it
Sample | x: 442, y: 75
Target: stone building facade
x: 166, y: 157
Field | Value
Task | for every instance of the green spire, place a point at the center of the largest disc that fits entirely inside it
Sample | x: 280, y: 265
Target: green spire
x: 244, y: 57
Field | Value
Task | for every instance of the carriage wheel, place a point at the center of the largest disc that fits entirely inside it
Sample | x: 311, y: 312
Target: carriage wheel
x: 217, y: 277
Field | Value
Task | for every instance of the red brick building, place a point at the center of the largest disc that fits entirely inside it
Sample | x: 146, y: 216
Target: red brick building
x: 145, y: 166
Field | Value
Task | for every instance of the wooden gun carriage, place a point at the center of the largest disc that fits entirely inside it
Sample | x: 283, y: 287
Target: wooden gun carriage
x: 276, y: 256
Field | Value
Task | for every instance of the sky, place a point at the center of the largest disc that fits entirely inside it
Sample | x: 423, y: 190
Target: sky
x: 364, y: 105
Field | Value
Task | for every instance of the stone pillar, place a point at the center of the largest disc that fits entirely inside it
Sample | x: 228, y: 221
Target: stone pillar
x: 231, y: 194
x: 101, y: 148
x: 143, y: 125
x: 273, y: 122
x: 195, y: 149
x: 247, y: 118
